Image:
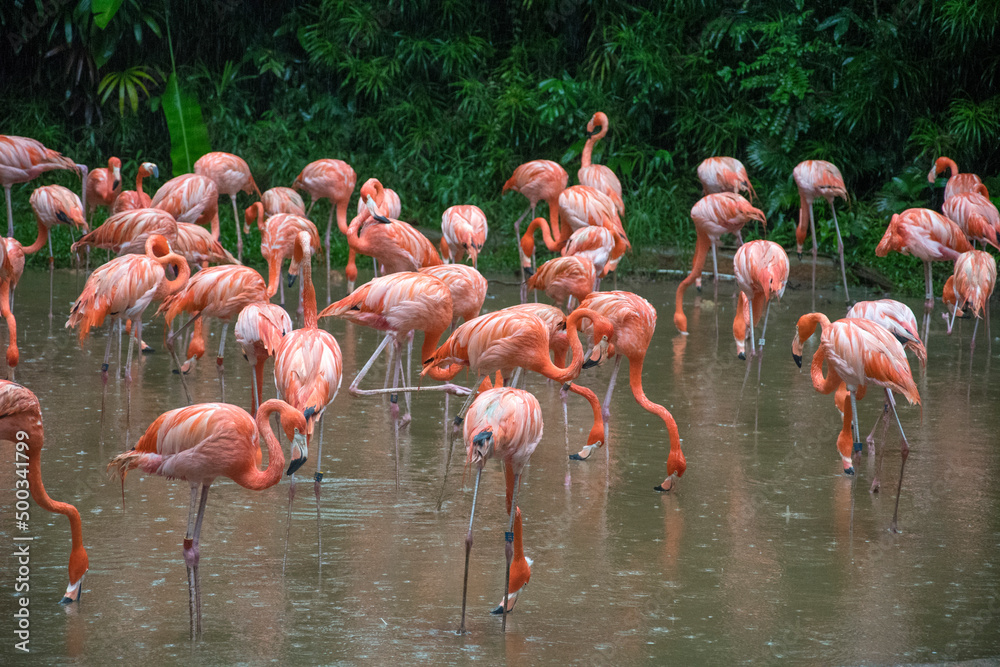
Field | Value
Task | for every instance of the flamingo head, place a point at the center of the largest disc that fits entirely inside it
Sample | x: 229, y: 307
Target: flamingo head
x: 296, y: 425
x: 254, y: 212
x: 481, y: 447
x: 598, y: 125
x: 147, y: 169
x: 602, y: 338
x: 115, y: 169
x: 78, y: 566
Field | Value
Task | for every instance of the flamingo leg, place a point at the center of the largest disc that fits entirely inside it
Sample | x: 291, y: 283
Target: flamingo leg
x: 517, y: 240
x: 394, y: 401
x: 855, y: 430
x: 468, y: 401
x: 753, y: 348
x: 812, y: 229
x: 104, y: 374
x: 904, y: 451
x: 10, y: 212
x: 840, y: 251
x: 884, y: 419
x: 197, y: 555
x: 218, y: 360
x: 288, y: 520
x: 972, y: 345
x: 173, y: 353
x: 121, y: 327
x: 715, y: 264
x: 871, y: 436
x: 317, y: 478
x: 239, y: 234
x: 508, y: 551
x: 355, y: 391
x: 468, y: 549
x: 928, y: 280
x: 409, y: 377
x: 326, y: 238
x: 253, y: 387
x: 128, y: 376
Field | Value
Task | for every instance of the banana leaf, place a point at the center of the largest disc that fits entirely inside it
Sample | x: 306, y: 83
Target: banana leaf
x: 188, y: 134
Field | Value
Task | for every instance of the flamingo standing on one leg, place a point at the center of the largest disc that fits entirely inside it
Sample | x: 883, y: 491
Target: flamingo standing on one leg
x: 565, y: 278
x: 858, y: 352
x: 131, y: 199
x: 926, y: 234
x: 634, y: 321
x: 975, y: 215
x: 724, y: 174
x: 123, y: 289
x: 220, y: 292
x: 259, y: 330
x: 282, y: 200
x: 972, y: 285
x: 598, y: 176
x: 815, y: 179
x: 231, y: 175
x: 201, y: 442
x: 190, y: 198
x: 957, y: 182
x: 463, y: 231
x: 714, y: 215
x: 538, y: 180
x: 507, y: 424
x: 761, y: 269
x: 278, y: 236
x: 23, y: 159
x: 103, y: 187
x: 333, y: 180
x: 21, y: 423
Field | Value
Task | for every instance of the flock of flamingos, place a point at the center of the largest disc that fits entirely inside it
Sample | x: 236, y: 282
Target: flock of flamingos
x: 165, y: 247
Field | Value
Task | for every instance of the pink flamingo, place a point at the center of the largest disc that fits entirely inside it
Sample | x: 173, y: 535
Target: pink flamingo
x: 466, y: 285
x: 395, y: 245
x: 538, y: 180
x: 23, y: 159
x: 136, y: 198
x: 333, y: 180
x: 11, y: 267
x: 971, y: 286
x: 724, y: 174
x: 103, y: 186
x: 598, y: 176
x: 957, y: 183
x: 190, y: 198
x: 815, y: 179
x: 975, y: 215
x: 565, y: 278
x: 507, y: 424
x: 761, y: 269
x: 259, y: 330
x: 463, y: 231
x: 278, y: 236
x: 282, y: 200
x: 126, y: 233
x: 231, y: 175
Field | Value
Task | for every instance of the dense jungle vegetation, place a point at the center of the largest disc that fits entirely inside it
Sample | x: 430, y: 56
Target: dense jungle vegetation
x: 441, y: 100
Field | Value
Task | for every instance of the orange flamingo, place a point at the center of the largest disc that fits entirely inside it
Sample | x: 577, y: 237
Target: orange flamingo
x: 583, y: 206
x: 278, y: 236
x: 391, y: 207
x: 395, y: 245
x: 599, y: 245
x: 633, y: 320
x: 761, y: 269
x: 21, y: 423
x: 333, y: 180
x: 126, y: 233
x: 598, y: 176
x: 504, y: 423
x: 201, y: 442
x: 971, y: 286
x: 957, y: 183
x: 190, y: 198
x: 925, y: 234
x: 123, y: 289
x: 282, y: 200
x: 23, y: 159
x: 602, y: 242
x: 259, y: 330
x: 724, y: 174
x: 538, y: 180
x: 220, y: 292
x: 195, y: 244
x: 466, y: 285
x: 975, y: 215
x: 103, y: 186
x: 231, y: 175
x: 11, y: 267
x: 136, y: 198
x: 553, y: 318
x: 308, y: 365
x: 564, y: 278
x: 857, y: 352
x: 54, y: 205
x: 815, y: 179
x: 463, y: 231
x: 714, y: 215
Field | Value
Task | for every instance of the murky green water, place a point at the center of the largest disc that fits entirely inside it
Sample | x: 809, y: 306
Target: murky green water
x: 766, y: 551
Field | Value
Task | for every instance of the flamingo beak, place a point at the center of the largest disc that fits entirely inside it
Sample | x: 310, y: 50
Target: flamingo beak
x: 597, y: 356
x: 291, y: 279
x: 118, y: 179
x: 63, y: 218
x: 300, y: 453
x: 798, y: 359
x: 73, y: 592
x: 156, y: 171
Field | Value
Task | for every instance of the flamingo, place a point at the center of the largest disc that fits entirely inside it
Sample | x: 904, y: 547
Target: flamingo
x: 395, y: 245
x: 565, y: 278
x: 971, y: 286
x: 282, y: 200
x: 103, y: 186
x: 126, y: 233
x: 201, y: 442
x: 190, y: 198
x: 926, y: 234
x: 23, y: 159
x: 633, y: 320
x: 975, y: 215
x: 504, y: 423
x: 815, y: 179
x: 538, y: 180
x: 231, y: 175
x: 136, y: 198
x: 761, y: 269
x: 11, y: 266
x: 463, y: 231
x: 599, y: 245
x: 724, y: 174
x: 333, y: 180
x: 220, y: 292
x: 598, y: 176
x: 278, y: 236
x: 714, y: 215
x: 858, y: 352
x: 123, y: 289
x: 195, y: 244
x: 54, y: 205
x: 21, y: 423
x: 391, y: 207
x: 900, y: 321
x: 957, y: 183
x: 259, y: 330
x: 466, y: 285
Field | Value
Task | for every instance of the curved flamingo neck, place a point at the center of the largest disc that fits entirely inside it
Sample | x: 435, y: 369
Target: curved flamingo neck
x: 701, y: 248
x: 571, y: 372
x: 40, y: 241
x: 258, y: 214
x: 183, y: 274
x: 808, y: 323
x: 588, y: 149
x: 258, y: 480
x: 528, y: 240
x: 676, y: 463
x: 309, y: 316
x: 824, y: 385
x: 559, y: 234
x: 596, y: 434
x: 138, y: 181
x: 946, y: 163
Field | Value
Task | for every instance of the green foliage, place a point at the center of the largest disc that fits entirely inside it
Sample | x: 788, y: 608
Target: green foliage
x: 188, y: 134
x: 128, y: 83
